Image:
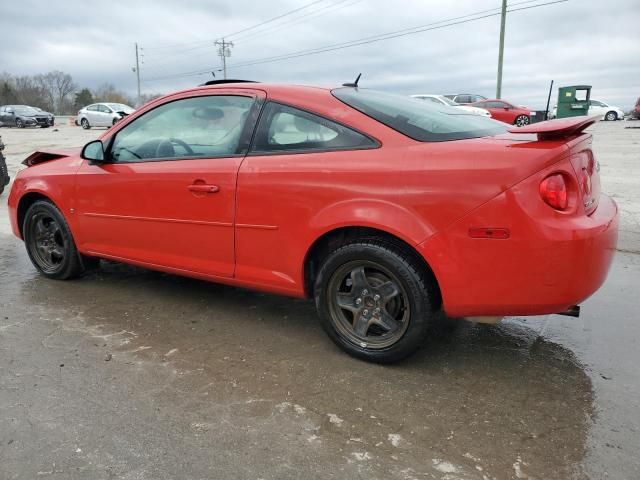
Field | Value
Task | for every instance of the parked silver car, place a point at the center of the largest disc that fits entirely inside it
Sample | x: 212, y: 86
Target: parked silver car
x: 102, y: 114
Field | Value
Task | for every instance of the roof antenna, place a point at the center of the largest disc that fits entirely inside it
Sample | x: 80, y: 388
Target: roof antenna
x: 354, y: 84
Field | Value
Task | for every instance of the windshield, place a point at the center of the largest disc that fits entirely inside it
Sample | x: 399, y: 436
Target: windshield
x: 419, y: 120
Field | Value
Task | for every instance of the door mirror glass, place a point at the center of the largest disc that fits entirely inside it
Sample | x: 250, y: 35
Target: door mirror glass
x: 93, y: 151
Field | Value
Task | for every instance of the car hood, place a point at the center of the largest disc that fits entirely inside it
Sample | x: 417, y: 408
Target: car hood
x: 42, y: 156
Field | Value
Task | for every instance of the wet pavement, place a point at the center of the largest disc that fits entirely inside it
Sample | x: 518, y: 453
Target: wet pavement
x: 132, y: 374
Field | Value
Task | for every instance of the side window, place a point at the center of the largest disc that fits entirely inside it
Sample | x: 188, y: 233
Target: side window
x: 92, y: 108
x: 482, y: 105
x: 284, y: 128
x: 197, y: 127
x: 496, y: 105
x: 104, y: 109
x: 463, y: 99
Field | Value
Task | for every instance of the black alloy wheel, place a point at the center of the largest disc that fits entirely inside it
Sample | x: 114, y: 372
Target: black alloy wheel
x: 374, y: 301
x: 49, y: 242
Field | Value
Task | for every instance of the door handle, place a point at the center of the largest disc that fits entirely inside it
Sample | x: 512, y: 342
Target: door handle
x: 203, y: 188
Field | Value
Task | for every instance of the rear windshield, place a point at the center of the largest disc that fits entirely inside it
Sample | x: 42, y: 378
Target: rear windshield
x: 417, y: 119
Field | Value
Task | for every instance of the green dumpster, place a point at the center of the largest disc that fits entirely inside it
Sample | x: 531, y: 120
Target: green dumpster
x: 573, y: 101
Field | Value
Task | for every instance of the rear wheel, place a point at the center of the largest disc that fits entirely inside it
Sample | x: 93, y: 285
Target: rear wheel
x: 373, y: 301
x: 611, y: 116
x: 49, y: 242
x: 84, y: 123
x: 522, y: 120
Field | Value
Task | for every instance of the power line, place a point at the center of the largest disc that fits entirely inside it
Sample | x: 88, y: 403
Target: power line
x: 391, y: 35
x: 275, y: 18
x: 372, y: 39
x: 269, y: 30
x: 297, y: 20
x: 206, y: 43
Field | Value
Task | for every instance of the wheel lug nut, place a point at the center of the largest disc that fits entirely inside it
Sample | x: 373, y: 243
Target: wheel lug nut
x: 376, y: 311
x: 358, y: 301
x: 365, y: 312
x: 365, y: 292
x: 376, y: 297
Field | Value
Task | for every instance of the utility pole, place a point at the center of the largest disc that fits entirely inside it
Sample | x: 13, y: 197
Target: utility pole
x: 224, y: 51
x: 503, y: 19
x: 137, y: 70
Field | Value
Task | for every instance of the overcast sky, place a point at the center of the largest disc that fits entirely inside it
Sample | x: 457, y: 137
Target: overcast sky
x: 594, y: 42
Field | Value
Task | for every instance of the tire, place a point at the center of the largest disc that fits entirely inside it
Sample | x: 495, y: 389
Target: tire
x: 4, y: 173
x: 387, y: 318
x: 19, y: 123
x: 611, y: 116
x: 84, y: 123
x: 49, y: 242
x: 115, y: 120
x: 522, y: 120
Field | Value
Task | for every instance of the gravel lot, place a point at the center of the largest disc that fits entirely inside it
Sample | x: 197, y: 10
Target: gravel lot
x: 133, y: 374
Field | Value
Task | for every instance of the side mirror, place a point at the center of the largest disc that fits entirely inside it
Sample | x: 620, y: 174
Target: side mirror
x: 9, y: 110
x: 506, y: 108
x: 93, y: 151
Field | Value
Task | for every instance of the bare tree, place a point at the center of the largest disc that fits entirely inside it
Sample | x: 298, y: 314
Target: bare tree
x: 107, y: 92
x: 57, y: 86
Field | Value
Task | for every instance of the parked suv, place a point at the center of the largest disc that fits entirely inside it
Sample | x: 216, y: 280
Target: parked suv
x: 21, y: 116
x: 102, y: 114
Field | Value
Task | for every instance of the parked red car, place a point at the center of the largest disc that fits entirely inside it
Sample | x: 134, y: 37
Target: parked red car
x: 636, y: 110
x: 382, y: 208
x: 506, y: 112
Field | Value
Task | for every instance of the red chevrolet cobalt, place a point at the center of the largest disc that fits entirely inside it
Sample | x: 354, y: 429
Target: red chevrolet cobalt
x: 382, y: 208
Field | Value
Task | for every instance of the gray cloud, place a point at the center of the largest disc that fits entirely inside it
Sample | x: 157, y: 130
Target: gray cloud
x: 580, y: 41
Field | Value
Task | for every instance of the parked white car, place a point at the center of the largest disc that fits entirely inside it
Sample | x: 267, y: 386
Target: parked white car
x: 102, y: 114
x: 597, y: 108
x: 442, y: 100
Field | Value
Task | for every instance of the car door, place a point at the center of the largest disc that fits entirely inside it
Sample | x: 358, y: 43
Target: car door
x: 2, y: 116
x: 295, y: 168
x: 104, y: 113
x: 166, y: 197
x: 597, y: 108
x: 90, y: 113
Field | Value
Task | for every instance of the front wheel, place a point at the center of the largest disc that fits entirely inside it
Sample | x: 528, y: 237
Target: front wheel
x: 522, y: 120
x: 611, y: 116
x: 84, y: 123
x: 49, y: 242
x: 374, y: 301
x: 19, y: 123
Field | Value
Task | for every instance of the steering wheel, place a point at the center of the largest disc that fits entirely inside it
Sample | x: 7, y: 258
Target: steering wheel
x: 165, y: 148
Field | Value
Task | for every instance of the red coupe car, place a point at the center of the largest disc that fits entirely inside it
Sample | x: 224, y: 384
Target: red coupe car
x: 505, y: 112
x: 382, y: 208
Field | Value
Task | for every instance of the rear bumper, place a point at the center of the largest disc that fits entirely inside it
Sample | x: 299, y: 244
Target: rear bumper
x: 545, y: 267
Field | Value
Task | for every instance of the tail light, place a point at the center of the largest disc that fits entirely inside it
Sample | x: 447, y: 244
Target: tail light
x: 553, y: 191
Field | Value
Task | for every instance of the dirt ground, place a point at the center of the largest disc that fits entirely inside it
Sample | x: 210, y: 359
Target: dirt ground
x: 133, y: 374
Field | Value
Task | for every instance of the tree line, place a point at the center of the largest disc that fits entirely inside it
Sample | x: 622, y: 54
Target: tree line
x: 56, y: 92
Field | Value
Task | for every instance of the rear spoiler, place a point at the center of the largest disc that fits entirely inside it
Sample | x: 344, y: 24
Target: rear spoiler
x: 556, y: 129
